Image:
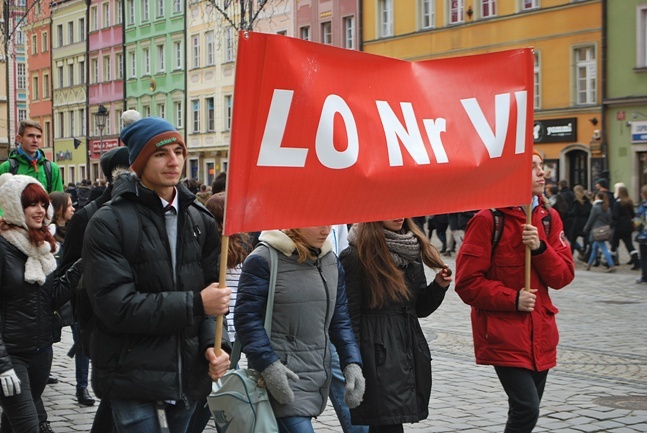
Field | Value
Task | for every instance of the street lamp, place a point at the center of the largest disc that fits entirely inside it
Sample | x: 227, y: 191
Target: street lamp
x: 100, y: 117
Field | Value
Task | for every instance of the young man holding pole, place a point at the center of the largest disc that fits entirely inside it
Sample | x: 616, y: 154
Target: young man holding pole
x: 153, y: 348
x: 513, y: 317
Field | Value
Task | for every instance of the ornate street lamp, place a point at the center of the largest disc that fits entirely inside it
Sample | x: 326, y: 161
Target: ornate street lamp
x: 100, y: 117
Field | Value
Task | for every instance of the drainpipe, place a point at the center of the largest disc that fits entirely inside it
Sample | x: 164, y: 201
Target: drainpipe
x: 603, y: 78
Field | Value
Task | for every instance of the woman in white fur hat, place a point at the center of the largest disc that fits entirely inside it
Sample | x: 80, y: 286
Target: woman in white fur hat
x: 29, y: 294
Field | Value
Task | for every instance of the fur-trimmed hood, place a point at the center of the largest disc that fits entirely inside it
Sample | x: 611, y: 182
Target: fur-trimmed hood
x: 286, y: 245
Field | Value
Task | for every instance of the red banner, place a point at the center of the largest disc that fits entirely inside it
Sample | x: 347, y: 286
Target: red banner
x: 323, y: 135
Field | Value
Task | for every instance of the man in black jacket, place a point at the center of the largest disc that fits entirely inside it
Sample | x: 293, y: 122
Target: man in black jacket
x: 153, y: 350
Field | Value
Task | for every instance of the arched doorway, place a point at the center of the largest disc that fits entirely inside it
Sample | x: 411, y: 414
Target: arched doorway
x: 576, y: 162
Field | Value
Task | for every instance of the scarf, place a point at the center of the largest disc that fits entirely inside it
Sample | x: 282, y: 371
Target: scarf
x: 33, y: 161
x: 40, y: 261
x: 404, y: 247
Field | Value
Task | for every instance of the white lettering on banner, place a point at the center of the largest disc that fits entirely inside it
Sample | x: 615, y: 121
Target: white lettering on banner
x: 433, y: 133
x: 410, y: 136
x: 494, y: 142
x: 271, y: 153
x: 325, y: 145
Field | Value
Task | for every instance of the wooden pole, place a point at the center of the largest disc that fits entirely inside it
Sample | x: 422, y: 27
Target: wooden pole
x: 528, y: 253
x: 222, y: 282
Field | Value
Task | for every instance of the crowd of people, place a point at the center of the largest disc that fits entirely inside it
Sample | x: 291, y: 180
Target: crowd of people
x: 131, y: 264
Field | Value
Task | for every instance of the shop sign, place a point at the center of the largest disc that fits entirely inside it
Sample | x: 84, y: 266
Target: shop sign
x: 639, y: 131
x: 555, y: 130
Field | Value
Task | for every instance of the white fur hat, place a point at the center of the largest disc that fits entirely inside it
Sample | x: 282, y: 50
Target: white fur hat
x: 11, y: 188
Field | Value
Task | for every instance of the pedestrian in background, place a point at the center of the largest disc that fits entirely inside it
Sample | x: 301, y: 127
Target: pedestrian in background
x: 579, y: 214
x: 513, y: 326
x: 641, y: 217
x: 387, y: 293
x: 29, y: 294
x: 623, y: 216
x: 600, y: 216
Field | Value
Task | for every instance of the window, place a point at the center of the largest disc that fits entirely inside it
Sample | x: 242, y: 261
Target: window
x: 386, y: 18
x: 45, y: 86
x: 34, y: 47
x: 177, y: 53
x: 70, y: 32
x: 107, y: 76
x: 537, y: 83
x: 641, y: 30
x: 179, y: 115
x: 94, y: 19
x: 146, y: 110
x: 146, y: 54
x: 585, y: 75
x: 61, y: 124
x: 229, y: 44
x: 456, y: 11
x: 45, y: 42
x: 72, y: 116
x: 20, y: 36
x: 161, y: 111
x: 118, y: 8
x: 161, y: 58
x: 210, y: 48
x: 120, y: 65
x: 82, y: 117
x: 304, y: 33
x: 195, y: 115
x: 59, y: 35
x: 195, y: 50
x: 22, y: 114
x: 106, y: 15
x: 133, y: 64
x: 228, y: 112
x: 145, y: 10
x: 22, y: 77
x: 349, y: 33
x: 118, y: 122
x: 529, y: 4
x: 177, y: 6
x: 160, y: 8
x: 81, y: 69
x: 81, y: 29
x: 70, y: 74
x: 488, y: 8
x: 59, y: 71
x: 427, y: 14
x: 211, y: 118
x: 131, y: 11
x: 94, y: 70
x: 326, y: 33
x: 35, y: 87
x: 47, y: 139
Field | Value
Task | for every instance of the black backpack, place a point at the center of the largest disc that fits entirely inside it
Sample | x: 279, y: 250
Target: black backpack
x: 499, y: 220
x: 47, y: 165
x: 129, y: 223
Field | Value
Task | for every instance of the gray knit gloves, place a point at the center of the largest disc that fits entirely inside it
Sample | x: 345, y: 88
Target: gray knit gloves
x: 276, y: 377
x: 355, y: 385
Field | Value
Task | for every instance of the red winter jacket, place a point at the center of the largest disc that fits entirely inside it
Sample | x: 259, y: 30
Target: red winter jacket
x: 490, y: 283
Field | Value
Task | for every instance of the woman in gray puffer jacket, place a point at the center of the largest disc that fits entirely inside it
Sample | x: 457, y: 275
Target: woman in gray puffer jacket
x: 600, y: 216
x: 310, y: 309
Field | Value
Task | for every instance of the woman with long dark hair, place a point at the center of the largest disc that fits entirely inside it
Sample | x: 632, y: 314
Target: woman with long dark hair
x: 623, y: 216
x: 387, y: 293
x: 29, y: 294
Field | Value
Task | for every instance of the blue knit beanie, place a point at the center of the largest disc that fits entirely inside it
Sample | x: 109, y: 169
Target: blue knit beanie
x: 144, y: 136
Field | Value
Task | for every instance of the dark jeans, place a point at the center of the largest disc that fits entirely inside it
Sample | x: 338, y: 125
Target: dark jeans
x: 25, y: 411
x: 524, y: 389
x: 131, y: 416
x: 643, y: 261
x: 82, y: 362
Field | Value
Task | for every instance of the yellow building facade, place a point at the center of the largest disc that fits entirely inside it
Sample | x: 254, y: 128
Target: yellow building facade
x: 566, y: 36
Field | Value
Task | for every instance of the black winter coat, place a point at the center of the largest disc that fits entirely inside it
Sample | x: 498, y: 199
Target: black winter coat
x: 26, y: 309
x: 395, y: 354
x: 151, y: 332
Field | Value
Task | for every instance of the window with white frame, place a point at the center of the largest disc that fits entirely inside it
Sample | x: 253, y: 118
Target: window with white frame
x: 195, y: 115
x: 229, y: 44
x: 456, y: 11
x: 160, y: 8
x: 133, y: 64
x: 70, y: 74
x: 585, y: 75
x: 61, y: 124
x: 488, y: 8
x: 81, y: 71
x: 118, y: 9
x: 94, y: 70
x: 107, y: 73
x: 161, y: 57
x: 386, y: 18
x: 195, y: 51
x: 145, y: 10
x: 46, y: 86
x: 209, y: 36
x: 177, y: 54
x: 349, y: 32
x: 228, y: 111
x: 529, y: 4
x: 34, y: 46
x: 427, y: 14
x: 82, y: 117
x: 179, y: 115
x: 118, y: 122
x: 177, y: 6
x: 131, y: 11
x: 641, y: 36
x: 21, y: 71
x: 211, y: 115
x: 22, y: 114
x: 106, y: 15
x: 72, y: 122
x: 47, y: 138
x: 45, y: 45
x: 81, y: 29
x: 326, y: 33
x: 537, y: 82
x: 161, y: 110
x: 120, y: 65
x: 146, y: 54
x: 59, y: 73
x: 304, y: 33
x: 146, y: 110
x: 70, y: 32
x: 35, y: 87
x: 59, y: 35
x: 20, y: 36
